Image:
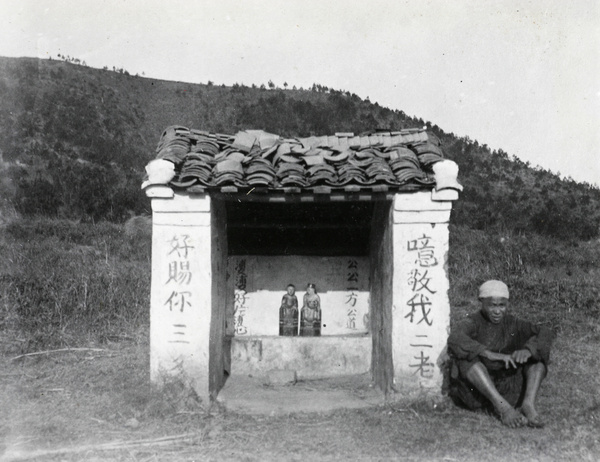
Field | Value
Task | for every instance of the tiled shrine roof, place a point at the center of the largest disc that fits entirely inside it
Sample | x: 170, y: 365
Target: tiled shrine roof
x: 255, y: 160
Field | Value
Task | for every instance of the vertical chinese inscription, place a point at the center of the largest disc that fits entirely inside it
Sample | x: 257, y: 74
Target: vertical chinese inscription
x: 421, y: 287
x: 352, y: 295
x: 422, y: 364
x: 179, y: 277
x: 239, y: 309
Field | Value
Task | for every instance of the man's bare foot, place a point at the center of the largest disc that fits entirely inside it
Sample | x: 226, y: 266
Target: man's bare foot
x: 512, y: 418
x: 533, y: 418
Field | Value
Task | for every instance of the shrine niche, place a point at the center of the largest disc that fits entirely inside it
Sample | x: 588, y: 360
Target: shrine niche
x: 325, y: 256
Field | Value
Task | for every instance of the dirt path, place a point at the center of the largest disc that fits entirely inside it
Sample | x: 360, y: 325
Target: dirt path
x: 99, y: 406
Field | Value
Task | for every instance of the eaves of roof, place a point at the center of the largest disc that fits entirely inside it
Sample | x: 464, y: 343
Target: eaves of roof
x: 254, y: 160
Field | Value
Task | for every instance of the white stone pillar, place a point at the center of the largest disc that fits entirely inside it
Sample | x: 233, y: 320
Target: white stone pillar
x: 420, y: 304
x: 181, y: 294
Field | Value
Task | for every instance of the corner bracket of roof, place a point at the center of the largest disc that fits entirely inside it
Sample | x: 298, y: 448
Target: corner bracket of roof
x: 446, y: 173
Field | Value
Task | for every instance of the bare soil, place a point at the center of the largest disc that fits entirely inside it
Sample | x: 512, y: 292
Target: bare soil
x: 98, y: 404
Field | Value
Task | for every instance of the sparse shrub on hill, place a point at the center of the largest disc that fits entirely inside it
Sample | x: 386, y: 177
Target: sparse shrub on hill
x: 82, y: 137
x: 79, y: 190
x: 509, y: 196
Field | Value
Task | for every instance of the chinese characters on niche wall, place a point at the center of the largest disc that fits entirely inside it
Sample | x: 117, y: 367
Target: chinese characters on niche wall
x: 421, y: 287
x: 270, y: 295
x: 239, y: 309
x: 178, y: 280
x: 351, y: 298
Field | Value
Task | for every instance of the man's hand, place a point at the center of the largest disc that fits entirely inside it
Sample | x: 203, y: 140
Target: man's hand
x: 508, y: 360
x: 521, y: 356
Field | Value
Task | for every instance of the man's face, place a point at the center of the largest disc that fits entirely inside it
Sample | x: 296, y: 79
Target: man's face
x: 494, y: 308
x: 291, y: 290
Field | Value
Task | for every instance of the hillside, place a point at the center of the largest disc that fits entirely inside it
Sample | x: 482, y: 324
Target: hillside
x: 74, y: 141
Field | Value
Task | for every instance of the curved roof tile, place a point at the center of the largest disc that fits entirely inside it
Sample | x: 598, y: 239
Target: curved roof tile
x: 399, y: 160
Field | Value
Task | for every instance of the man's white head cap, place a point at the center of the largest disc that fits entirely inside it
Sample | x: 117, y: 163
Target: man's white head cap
x: 493, y: 288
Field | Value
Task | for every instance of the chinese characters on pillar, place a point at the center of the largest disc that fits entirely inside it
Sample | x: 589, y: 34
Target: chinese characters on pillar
x: 419, y: 301
x: 239, y: 310
x: 352, y: 296
x: 422, y: 365
x: 179, y: 277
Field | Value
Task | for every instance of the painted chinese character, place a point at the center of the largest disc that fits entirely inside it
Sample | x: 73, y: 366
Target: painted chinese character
x: 426, y: 259
x: 423, y: 367
x: 419, y: 301
x: 241, y: 266
x: 351, y: 298
x: 179, y: 272
x: 351, y: 324
x: 180, y: 245
x: 240, y: 281
x: 240, y: 298
x: 352, y: 276
x: 419, y: 281
x: 419, y: 243
x: 421, y: 343
x: 240, y: 276
x: 179, y: 334
x: 178, y: 300
x: 240, y: 329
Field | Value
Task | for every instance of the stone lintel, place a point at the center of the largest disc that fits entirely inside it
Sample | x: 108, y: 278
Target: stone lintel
x: 426, y: 216
x: 447, y: 194
x: 181, y: 203
x: 184, y: 219
x: 420, y: 207
x: 419, y: 201
x: 158, y: 190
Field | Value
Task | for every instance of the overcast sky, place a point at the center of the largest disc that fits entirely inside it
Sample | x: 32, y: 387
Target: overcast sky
x: 519, y: 75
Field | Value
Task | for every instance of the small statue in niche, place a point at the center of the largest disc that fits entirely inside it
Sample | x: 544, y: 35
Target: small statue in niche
x: 310, y: 315
x: 288, y: 313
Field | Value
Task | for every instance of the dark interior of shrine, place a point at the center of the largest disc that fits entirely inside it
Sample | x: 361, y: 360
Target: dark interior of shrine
x: 296, y: 228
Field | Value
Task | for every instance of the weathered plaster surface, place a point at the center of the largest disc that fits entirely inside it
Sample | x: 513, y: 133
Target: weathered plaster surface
x: 181, y: 291
x: 421, y: 308
x: 310, y: 357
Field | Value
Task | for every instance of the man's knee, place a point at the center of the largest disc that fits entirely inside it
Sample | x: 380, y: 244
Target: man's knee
x: 535, y: 367
x: 475, y: 371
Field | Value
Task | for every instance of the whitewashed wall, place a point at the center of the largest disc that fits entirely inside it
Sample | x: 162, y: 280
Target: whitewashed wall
x: 259, y: 282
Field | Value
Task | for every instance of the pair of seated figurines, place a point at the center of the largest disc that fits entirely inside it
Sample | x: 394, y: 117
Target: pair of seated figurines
x: 310, y: 314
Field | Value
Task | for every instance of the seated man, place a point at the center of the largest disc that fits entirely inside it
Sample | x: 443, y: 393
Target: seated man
x: 499, y: 360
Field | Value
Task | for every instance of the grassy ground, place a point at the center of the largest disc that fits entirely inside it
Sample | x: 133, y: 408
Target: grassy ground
x: 73, y: 285
x: 80, y: 406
